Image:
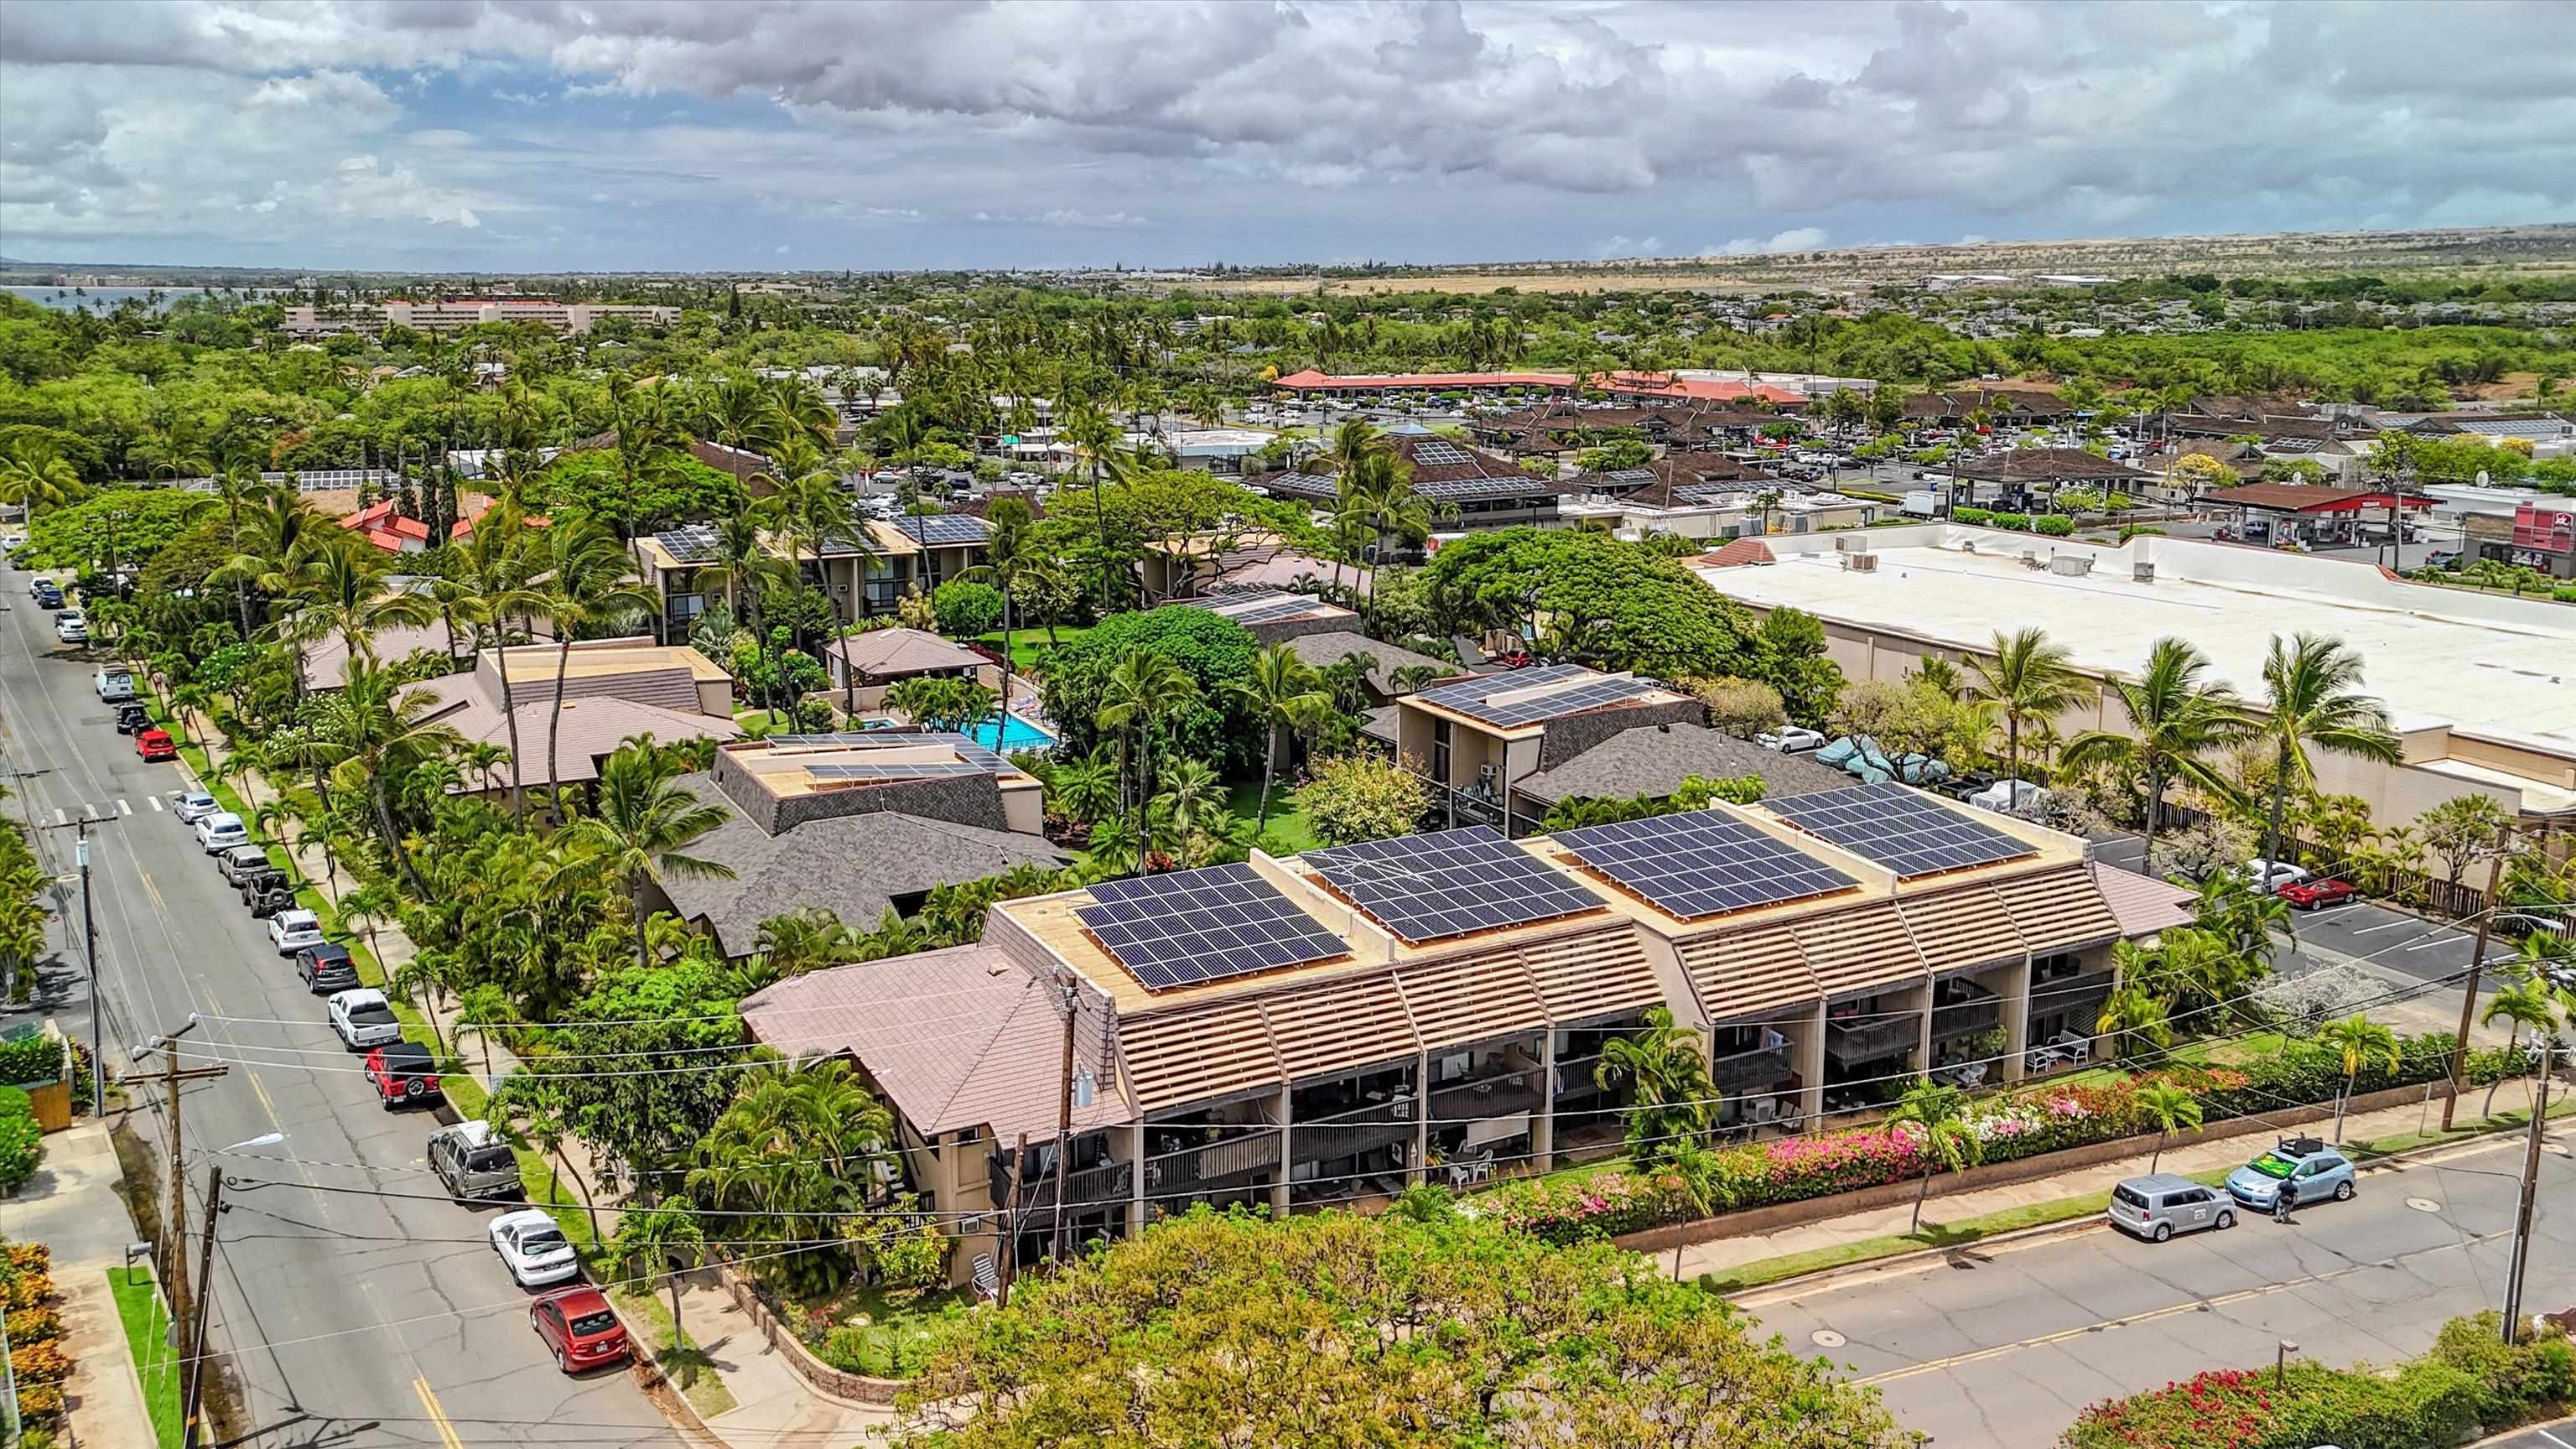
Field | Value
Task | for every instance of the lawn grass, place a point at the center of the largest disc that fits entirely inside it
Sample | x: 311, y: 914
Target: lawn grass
x: 1029, y: 644
x: 1290, y: 832
x: 649, y: 1314
x: 156, y: 1365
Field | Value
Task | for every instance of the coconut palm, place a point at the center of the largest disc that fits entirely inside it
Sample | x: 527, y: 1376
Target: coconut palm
x: 235, y: 488
x: 2357, y: 1039
x: 2175, y: 719
x: 34, y: 477
x: 2312, y: 700
x: 491, y: 585
x: 1671, y: 1096
x: 1192, y: 802
x: 814, y: 513
x: 369, y: 733
x: 654, y: 1246
x: 2173, y: 1108
x: 483, y: 1009
x: 1941, y: 1114
x: 341, y: 588
x: 2029, y: 679
x: 590, y: 580
x: 2528, y: 1002
x: 1284, y: 693
x: 1144, y: 691
x: 1013, y: 557
x: 1699, y: 1171
x: 2133, y: 1019
x: 643, y: 824
x: 1094, y: 437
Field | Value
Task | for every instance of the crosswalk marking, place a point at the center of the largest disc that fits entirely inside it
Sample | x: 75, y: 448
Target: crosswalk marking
x: 154, y: 801
x: 122, y: 808
x: 60, y: 818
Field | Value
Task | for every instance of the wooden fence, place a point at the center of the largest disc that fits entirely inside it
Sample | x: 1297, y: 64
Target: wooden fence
x: 2434, y: 894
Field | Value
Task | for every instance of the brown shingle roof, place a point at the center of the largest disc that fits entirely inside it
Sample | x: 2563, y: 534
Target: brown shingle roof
x: 2141, y: 905
x: 889, y: 653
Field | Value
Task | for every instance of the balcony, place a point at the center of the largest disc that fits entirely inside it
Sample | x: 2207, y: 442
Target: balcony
x: 1107, y: 1187
x: 1353, y: 1132
x: 1979, y: 1010
x: 1218, y: 1164
x: 1870, y: 1038
x: 1755, y: 1070
x: 1498, y: 1096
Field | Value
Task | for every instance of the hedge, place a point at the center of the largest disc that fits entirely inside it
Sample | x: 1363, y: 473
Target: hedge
x: 2012, y: 522
x: 37, y: 1058
x: 2055, y: 525
x: 1972, y: 515
x: 2469, y: 1381
x: 21, y: 1140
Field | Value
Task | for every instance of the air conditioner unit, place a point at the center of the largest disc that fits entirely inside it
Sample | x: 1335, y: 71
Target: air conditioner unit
x: 2071, y: 565
x: 1861, y: 563
x: 2142, y: 573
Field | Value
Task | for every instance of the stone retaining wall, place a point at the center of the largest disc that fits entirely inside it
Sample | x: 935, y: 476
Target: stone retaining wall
x: 827, y: 1380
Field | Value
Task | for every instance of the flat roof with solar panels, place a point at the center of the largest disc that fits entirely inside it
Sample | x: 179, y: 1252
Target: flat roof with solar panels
x: 1450, y: 883
x: 1701, y: 863
x: 943, y: 530
x: 1529, y: 698
x: 784, y: 765
x: 1197, y: 926
x: 1266, y: 606
x: 1908, y: 833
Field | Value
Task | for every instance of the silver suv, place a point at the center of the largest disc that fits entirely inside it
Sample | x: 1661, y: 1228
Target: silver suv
x: 474, y: 1162
x: 2160, y: 1206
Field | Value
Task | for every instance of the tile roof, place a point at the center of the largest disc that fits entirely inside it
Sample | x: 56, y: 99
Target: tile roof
x: 2046, y: 465
x: 1322, y: 649
x: 1654, y: 759
x: 1737, y: 554
x: 2141, y: 904
x: 886, y: 653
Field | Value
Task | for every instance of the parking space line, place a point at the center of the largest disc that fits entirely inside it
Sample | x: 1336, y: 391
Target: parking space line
x: 2399, y: 923
x: 2444, y: 941
x: 155, y: 802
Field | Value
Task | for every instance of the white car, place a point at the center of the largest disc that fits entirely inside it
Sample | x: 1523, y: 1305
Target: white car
x: 533, y: 1249
x: 114, y: 686
x: 292, y: 931
x: 221, y: 831
x: 1790, y: 741
x: 192, y: 806
x: 363, y: 1018
x: 72, y: 627
x: 2271, y: 875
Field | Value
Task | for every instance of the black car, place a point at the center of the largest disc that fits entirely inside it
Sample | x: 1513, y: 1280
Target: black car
x: 267, y: 895
x: 132, y: 717
x: 326, y: 968
x: 48, y: 596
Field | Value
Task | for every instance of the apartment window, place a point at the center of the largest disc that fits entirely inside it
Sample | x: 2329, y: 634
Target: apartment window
x: 1727, y: 1041
x: 1440, y: 750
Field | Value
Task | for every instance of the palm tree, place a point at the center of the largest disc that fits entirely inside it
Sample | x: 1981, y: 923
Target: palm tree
x: 590, y: 580
x: 1285, y: 693
x: 807, y: 939
x: 341, y: 589
x: 1192, y: 800
x: 1094, y: 437
x: 2358, y: 1039
x: 2172, y: 1108
x: 653, y: 1247
x: 490, y: 586
x: 236, y: 486
x: 278, y: 533
x: 482, y: 1009
x: 1948, y: 1142
x: 2175, y: 718
x: 1940, y: 674
x: 1012, y: 557
x: 1144, y: 691
x: 2030, y: 679
x: 2528, y: 1002
x: 816, y: 514
x: 2313, y: 699
x: 2132, y: 1019
x: 1697, y: 1170
x: 33, y: 476
x: 1672, y: 1099
x: 644, y: 823
x: 1085, y: 788
x: 369, y: 733
x: 192, y: 698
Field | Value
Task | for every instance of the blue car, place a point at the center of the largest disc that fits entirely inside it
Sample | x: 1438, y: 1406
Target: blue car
x: 2304, y: 1167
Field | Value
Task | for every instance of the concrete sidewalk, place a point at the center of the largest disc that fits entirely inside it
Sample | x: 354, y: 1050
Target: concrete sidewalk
x: 775, y: 1408
x: 2183, y: 1155
x: 72, y: 1206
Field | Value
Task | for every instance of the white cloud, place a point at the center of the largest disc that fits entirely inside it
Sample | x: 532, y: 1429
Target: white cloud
x: 1626, y: 246
x: 781, y: 251
x: 1796, y: 239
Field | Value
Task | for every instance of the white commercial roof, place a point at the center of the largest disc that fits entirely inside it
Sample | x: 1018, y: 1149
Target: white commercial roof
x: 2484, y: 664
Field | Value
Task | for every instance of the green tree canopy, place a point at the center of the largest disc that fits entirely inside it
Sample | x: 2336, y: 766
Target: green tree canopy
x: 1217, y: 653
x: 1635, y: 607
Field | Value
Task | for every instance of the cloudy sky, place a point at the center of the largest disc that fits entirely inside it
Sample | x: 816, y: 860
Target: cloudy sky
x: 603, y: 135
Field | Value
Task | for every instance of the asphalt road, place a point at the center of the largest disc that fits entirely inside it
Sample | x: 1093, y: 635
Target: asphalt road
x: 2004, y: 1348
x: 348, y: 1319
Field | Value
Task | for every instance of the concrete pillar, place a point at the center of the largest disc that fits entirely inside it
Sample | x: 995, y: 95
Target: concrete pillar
x: 1136, y: 1192
x: 1921, y: 996
x: 1807, y: 1055
x: 1287, y: 1152
x: 1414, y: 1168
x: 2016, y: 997
x: 1543, y: 1122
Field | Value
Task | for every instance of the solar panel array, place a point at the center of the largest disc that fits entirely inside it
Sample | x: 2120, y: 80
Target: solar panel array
x: 1629, y: 477
x: 973, y: 753
x: 1203, y: 925
x: 1582, y: 689
x: 1702, y: 863
x: 2293, y: 445
x: 1483, y: 490
x: 1263, y: 608
x: 1303, y: 485
x: 695, y: 544
x: 1904, y: 830
x: 944, y: 530
x: 1427, y: 887
x: 939, y: 771
x: 1436, y: 454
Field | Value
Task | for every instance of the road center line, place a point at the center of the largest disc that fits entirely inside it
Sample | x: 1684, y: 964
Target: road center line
x: 437, y: 1415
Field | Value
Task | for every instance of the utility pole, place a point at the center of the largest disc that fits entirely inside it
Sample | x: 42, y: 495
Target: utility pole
x: 1063, y: 1128
x: 2530, y: 1191
x: 2477, y: 967
x: 175, y: 1244
x: 196, y: 1342
x: 89, y: 957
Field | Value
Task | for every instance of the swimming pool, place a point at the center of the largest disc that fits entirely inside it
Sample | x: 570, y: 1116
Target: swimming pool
x: 1009, y: 733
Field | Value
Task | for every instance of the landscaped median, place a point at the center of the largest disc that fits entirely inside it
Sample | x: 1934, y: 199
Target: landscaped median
x: 146, y: 1320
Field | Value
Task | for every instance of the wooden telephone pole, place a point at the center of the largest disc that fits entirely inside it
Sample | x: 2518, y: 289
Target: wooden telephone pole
x: 2477, y: 968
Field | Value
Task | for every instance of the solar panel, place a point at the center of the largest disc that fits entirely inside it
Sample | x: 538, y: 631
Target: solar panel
x: 975, y: 755
x: 1702, y: 863
x: 1203, y: 925
x: 943, y: 530
x: 1581, y: 689
x: 1302, y: 485
x: 695, y: 544
x: 1476, y: 490
x: 1630, y: 477
x: 1904, y: 830
x: 1440, y: 454
x: 935, y: 771
x: 1426, y: 887
x: 1264, y: 608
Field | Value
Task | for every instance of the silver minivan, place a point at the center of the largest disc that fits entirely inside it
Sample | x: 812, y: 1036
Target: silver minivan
x: 2160, y: 1206
x: 474, y: 1162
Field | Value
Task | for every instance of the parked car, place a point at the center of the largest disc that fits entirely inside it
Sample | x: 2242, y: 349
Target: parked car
x: 71, y: 626
x: 363, y: 1018
x: 2160, y: 1206
x: 192, y: 806
x: 155, y: 745
x: 1790, y: 740
x: 132, y: 717
x: 325, y: 967
x: 240, y: 861
x: 2304, y: 1167
x: 293, y: 931
x: 2315, y: 895
x: 267, y: 894
x: 48, y: 594
x: 581, y: 1329
x: 473, y: 1163
x: 2447, y: 559
x: 114, y: 686
x: 2272, y: 874
x: 402, y: 1072
x: 221, y: 831
x: 534, y: 1250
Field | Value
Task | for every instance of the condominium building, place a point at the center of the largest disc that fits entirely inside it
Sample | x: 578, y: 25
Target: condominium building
x: 449, y: 314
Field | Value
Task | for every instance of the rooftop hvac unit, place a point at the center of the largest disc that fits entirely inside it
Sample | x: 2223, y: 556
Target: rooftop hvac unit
x: 1861, y: 563
x: 2071, y: 565
x: 2030, y: 561
x: 2142, y: 572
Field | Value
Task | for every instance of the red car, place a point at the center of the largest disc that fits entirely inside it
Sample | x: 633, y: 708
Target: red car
x: 581, y: 1328
x: 402, y: 1072
x: 155, y: 745
x: 2310, y: 895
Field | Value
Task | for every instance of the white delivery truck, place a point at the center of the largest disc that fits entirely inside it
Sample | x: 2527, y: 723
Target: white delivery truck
x: 1921, y: 503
